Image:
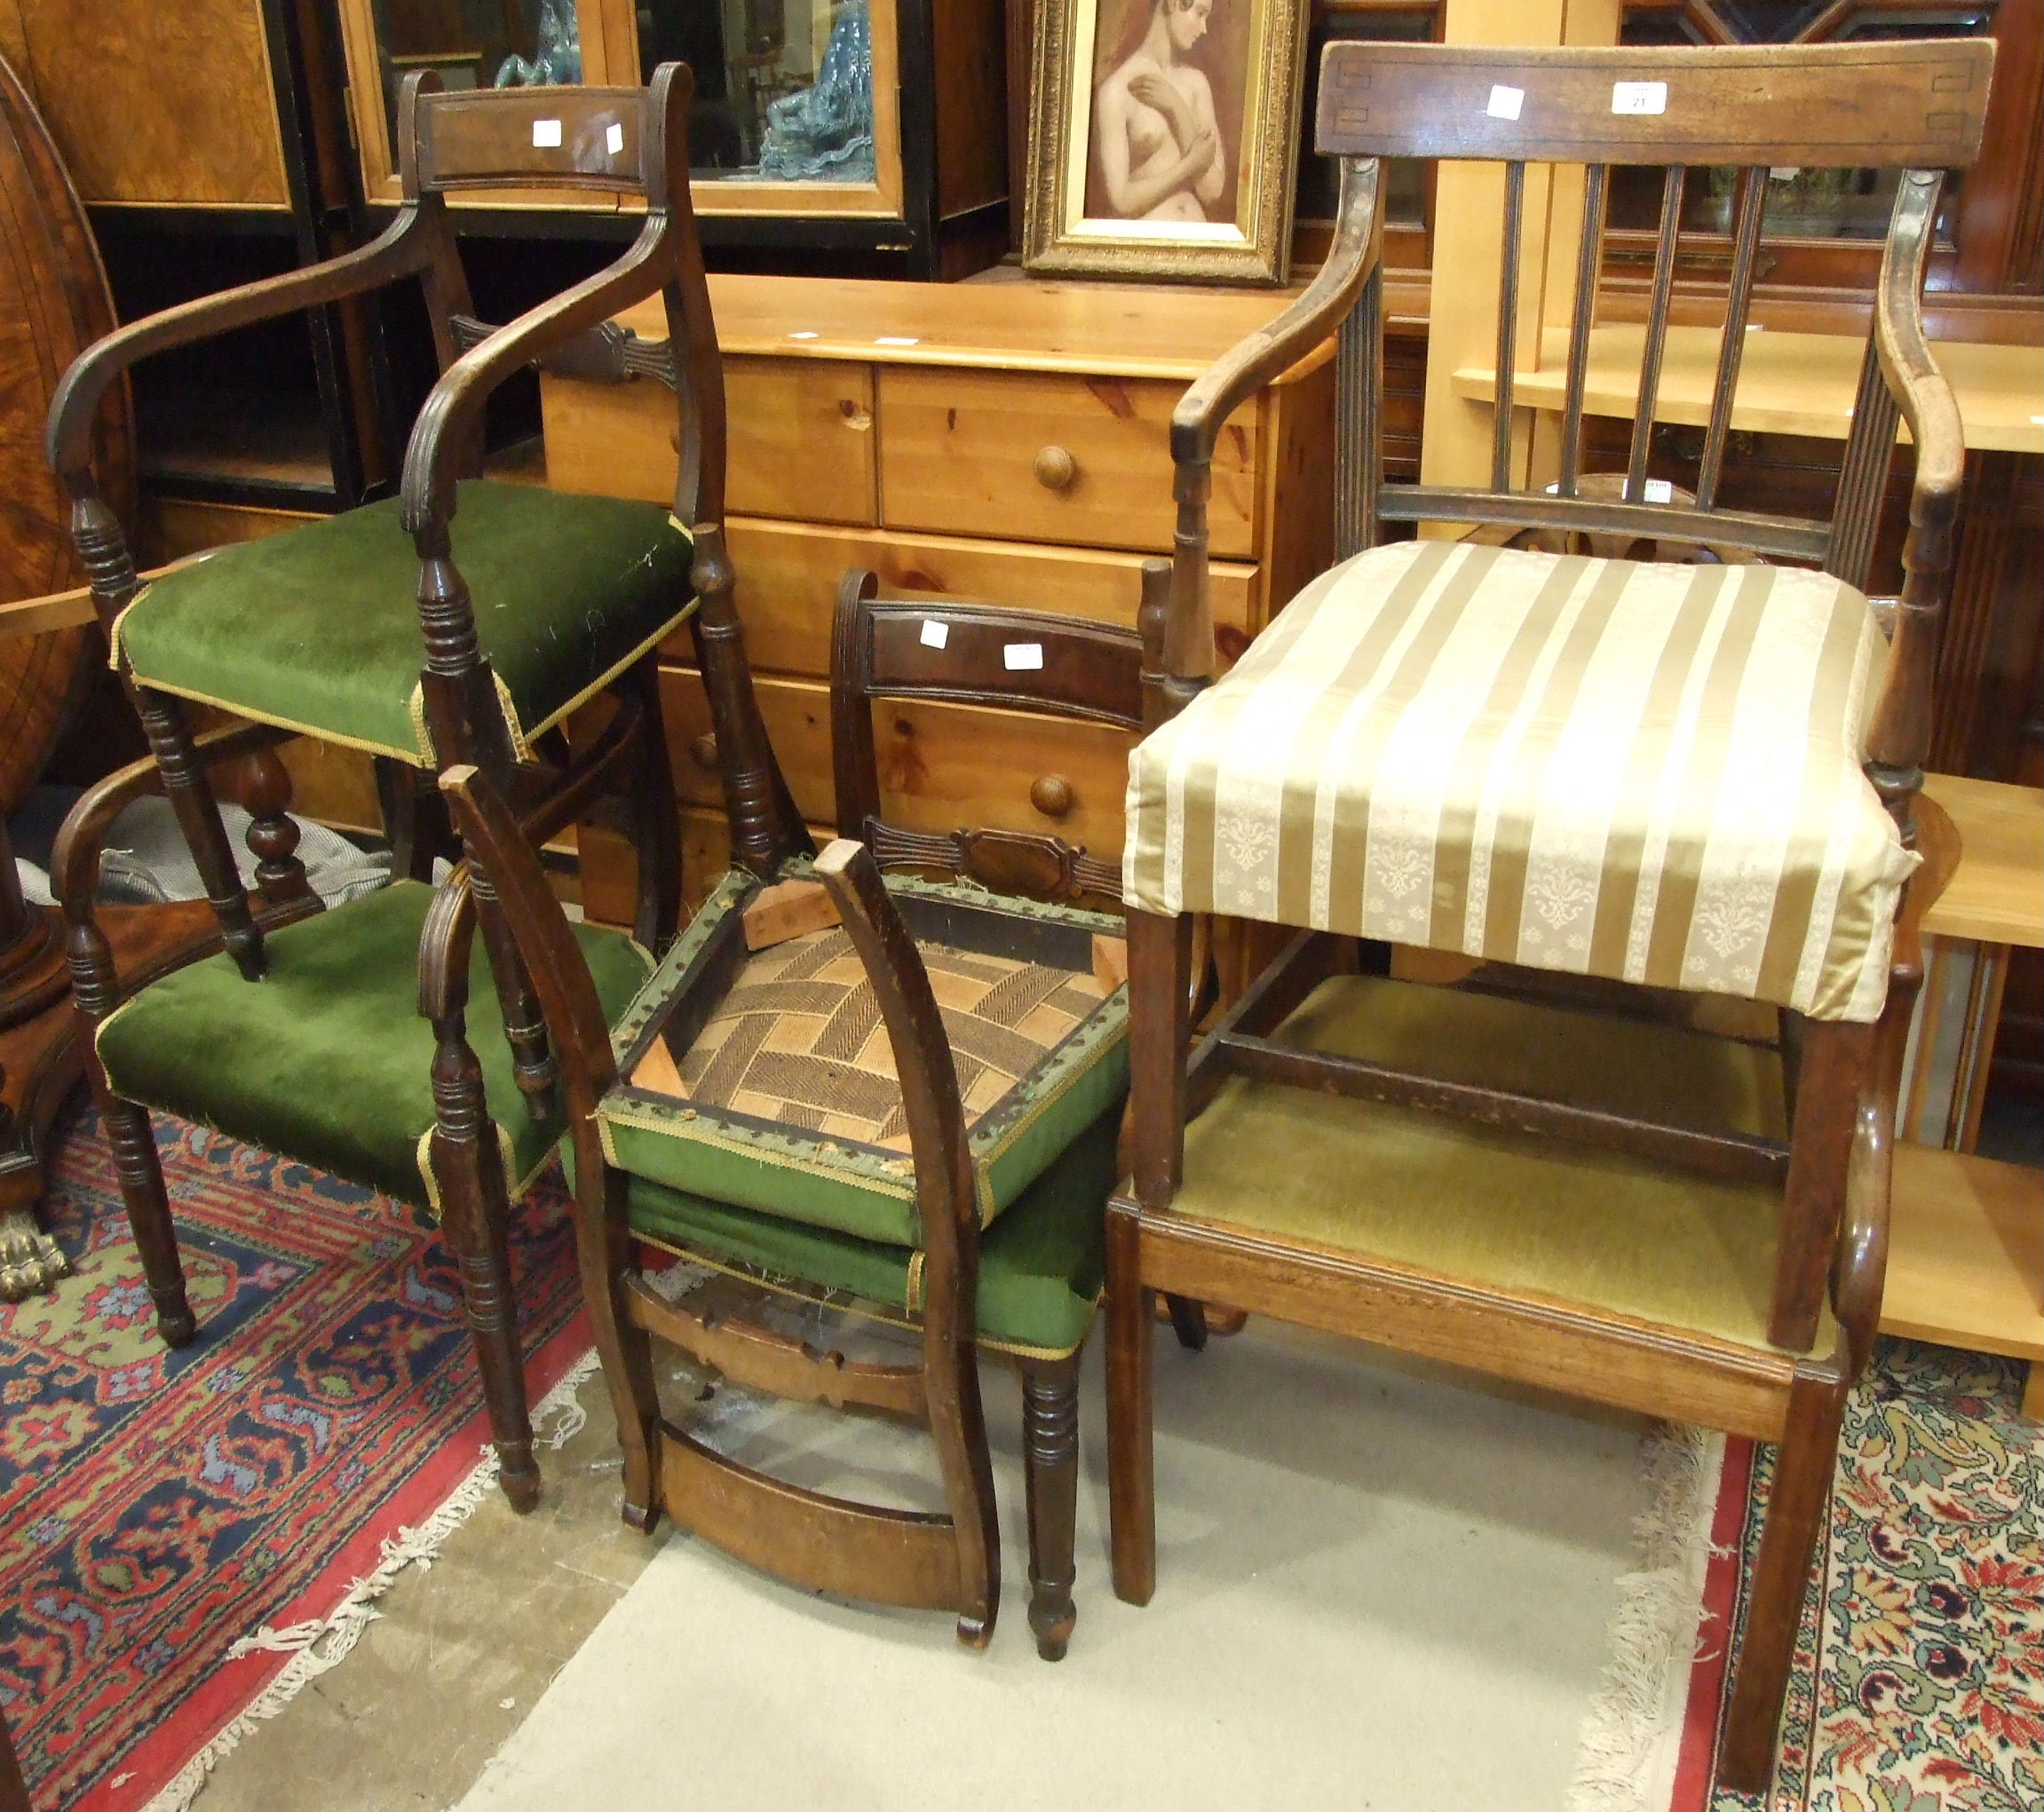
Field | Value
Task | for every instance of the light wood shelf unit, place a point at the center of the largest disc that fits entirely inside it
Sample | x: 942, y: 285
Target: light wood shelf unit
x: 1788, y: 383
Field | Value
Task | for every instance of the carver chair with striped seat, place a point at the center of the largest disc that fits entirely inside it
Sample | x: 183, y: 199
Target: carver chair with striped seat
x: 1651, y: 826
x: 460, y: 622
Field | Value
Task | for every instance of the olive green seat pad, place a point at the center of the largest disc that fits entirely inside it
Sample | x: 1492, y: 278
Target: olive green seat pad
x: 786, y: 1103
x: 326, y: 1060
x: 1041, y: 1264
x: 1553, y: 1217
x: 318, y: 627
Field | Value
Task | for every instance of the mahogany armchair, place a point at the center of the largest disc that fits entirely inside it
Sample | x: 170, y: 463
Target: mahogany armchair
x: 367, y: 630
x: 1663, y: 817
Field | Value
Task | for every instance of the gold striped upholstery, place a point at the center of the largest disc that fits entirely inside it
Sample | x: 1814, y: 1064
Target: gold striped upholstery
x: 1650, y: 772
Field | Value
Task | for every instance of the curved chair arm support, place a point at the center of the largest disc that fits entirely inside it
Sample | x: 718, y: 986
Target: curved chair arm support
x: 574, y: 1015
x: 1900, y: 735
x: 945, y: 1198
x: 432, y: 458
x: 1235, y: 377
x: 1860, y: 1264
x: 400, y: 251
x: 445, y: 943
x: 75, y: 859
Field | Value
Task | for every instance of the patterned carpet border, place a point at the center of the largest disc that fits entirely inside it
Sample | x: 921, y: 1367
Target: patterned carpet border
x: 156, y: 1508
x: 1918, y: 1682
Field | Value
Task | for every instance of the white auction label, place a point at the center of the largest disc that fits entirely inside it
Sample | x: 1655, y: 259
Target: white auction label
x: 935, y: 635
x: 1660, y: 491
x: 1020, y: 655
x: 1505, y: 102
x: 613, y: 140
x: 545, y: 133
x: 1639, y: 97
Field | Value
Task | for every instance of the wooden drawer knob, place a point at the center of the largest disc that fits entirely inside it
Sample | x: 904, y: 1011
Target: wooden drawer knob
x: 1054, y: 468
x: 702, y: 751
x: 1052, y: 794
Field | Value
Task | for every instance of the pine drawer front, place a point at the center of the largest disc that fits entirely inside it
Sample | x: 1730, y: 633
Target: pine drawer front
x: 788, y: 577
x: 1040, y: 456
x: 942, y: 766
x: 800, y: 439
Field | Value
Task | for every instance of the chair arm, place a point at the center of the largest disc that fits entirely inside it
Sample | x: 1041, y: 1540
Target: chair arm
x: 447, y: 422
x: 1860, y: 1265
x: 68, y: 441
x: 1236, y: 376
x: 945, y: 1198
x: 574, y: 1018
x: 74, y: 858
x: 1900, y: 735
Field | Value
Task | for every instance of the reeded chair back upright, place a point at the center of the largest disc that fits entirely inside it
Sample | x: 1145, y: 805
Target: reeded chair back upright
x: 1612, y: 788
x: 460, y: 623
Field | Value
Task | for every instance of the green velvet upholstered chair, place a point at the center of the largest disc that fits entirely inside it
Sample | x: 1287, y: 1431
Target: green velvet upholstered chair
x: 1588, y: 840
x: 461, y: 620
x: 900, y: 1095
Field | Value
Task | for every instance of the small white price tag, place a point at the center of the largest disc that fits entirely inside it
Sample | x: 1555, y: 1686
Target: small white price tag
x: 1639, y: 97
x: 1660, y: 491
x: 545, y: 134
x: 1505, y: 102
x: 1020, y: 655
x: 897, y: 340
x: 935, y: 635
x: 613, y: 140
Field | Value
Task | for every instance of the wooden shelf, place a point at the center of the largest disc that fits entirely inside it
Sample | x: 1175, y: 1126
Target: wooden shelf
x: 1996, y: 894
x: 1788, y: 383
x: 1965, y: 1253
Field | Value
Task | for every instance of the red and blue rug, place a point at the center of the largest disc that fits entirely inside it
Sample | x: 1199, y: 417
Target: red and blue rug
x: 155, y: 1507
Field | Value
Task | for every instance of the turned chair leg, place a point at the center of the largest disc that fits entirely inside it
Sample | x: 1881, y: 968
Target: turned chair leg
x: 1050, y: 1477
x: 475, y: 1206
x: 1131, y: 1462
x: 131, y: 1139
x: 1188, y: 1322
x: 1796, y: 1507
x: 603, y: 1246
x: 141, y: 1173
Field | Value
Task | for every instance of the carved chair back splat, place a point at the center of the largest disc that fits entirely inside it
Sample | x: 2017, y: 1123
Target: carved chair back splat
x: 1916, y: 105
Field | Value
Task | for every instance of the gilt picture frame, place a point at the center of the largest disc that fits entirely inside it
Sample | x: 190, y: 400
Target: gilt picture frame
x: 1164, y: 138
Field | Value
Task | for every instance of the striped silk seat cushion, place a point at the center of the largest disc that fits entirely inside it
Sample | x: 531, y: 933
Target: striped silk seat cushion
x: 1649, y: 773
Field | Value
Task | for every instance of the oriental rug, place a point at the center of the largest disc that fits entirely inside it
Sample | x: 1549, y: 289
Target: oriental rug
x: 1919, y: 1676
x: 1918, y: 1679
x: 155, y: 1507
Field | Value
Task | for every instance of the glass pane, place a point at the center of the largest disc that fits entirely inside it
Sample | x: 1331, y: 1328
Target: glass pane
x: 477, y: 43
x: 1802, y: 203
x: 1404, y: 194
x: 783, y: 88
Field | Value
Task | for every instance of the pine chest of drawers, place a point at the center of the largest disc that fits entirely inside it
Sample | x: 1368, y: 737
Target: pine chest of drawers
x: 1002, y: 441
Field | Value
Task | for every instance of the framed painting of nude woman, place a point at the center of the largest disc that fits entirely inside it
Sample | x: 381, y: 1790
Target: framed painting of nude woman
x: 1164, y: 137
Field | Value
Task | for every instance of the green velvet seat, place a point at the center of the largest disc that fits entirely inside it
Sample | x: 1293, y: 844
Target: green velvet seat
x: 1040, y: 1265
x: 326, y: 1058
x: 318, y: 629
x: 785, y: 1102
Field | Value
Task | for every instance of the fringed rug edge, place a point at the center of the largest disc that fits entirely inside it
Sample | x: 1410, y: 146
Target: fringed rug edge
x: 1628, y: 1747
x: 316, y: 1644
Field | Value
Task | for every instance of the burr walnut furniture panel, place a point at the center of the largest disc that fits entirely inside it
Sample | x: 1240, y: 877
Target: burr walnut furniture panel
x: 159, y: 105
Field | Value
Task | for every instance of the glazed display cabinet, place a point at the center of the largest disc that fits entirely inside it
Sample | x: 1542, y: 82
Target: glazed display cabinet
x: 840, y: 124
